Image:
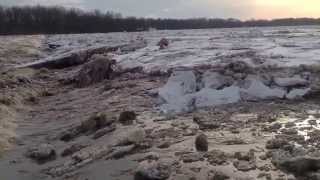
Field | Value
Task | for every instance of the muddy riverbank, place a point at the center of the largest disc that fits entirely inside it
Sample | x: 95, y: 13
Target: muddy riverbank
x: 118, y: 114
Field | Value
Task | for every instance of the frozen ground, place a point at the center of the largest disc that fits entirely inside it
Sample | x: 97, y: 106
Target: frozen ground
x: 60, y: 131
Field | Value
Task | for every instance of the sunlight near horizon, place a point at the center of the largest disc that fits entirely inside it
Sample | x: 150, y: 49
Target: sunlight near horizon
x: 287, y: 8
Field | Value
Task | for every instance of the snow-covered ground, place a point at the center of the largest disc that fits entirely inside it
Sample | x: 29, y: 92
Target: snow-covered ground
x: 284, y: 46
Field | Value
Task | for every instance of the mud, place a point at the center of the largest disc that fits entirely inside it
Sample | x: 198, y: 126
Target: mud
x: 113, y: 129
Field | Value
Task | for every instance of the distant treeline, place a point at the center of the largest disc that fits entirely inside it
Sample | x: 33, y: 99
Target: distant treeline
x: 58, y: 20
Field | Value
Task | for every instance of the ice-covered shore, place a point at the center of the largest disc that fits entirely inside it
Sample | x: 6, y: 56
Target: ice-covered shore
x: 283, y: 46
x: 80, y: 130
x: 265, y: 52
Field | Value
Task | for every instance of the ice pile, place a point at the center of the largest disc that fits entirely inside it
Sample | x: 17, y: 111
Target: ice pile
x: 187, y: 90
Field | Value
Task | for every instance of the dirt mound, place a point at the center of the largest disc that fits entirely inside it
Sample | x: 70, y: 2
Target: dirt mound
x: 96, y: 70
x: 16, y: 90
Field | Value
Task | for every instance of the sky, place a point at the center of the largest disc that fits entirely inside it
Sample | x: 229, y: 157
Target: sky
x: 240, y: 9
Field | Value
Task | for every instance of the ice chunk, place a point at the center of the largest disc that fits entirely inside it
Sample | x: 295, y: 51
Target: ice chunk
x: 291, y: 82
x: 257, y: 90
x: 181, y: 104
x: 215, y: 80
x: 211, y: 97
x: 297, y: 93
x: 179, y: 84
x: 175, y: 92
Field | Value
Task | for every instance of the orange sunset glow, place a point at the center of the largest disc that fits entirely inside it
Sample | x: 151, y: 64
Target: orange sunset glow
x: 286, y: 8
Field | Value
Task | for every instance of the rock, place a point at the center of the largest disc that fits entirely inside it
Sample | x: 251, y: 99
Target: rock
x: 235, y: 131
x: 267, y: 176
x: 291, y: 137
x: 216, y: 157
x: 245, y: 161
x: 311, y: 176
x: 127, y: 117
x: 289, y: 131
x: 72, y: 149
x: 295, y: 81
x: 263, y: 157
x: 104, y: 131
x: 298, y: 165
x: 42, y: 153
x: 205, y: 124
x: 191, y: 157
x: 54, y: 46
x: 273, y: 127
x: 276, y: 143
x: 290, y: 125
x: 77, y: 160
x: 190, y: 132
x: 95, y: 122
x: 23, y: 79
x: 313, y: 122
x: 201, y: 143
x: 267, y: 117
x: 166, y: 133
x: 68, y: 135
x: 120, y: 152
x: 238, y: 67
x: 244, y: 156
x: 133, y: 136
x: 151, y: 156
x: 234, y: 141
x: 90, y: 153
x: 219, y: 176
x: 239, y: 76
x: 306, y: 75
x: 164, y: 145
x: 163, y: 43
x: 245, y: 165
x: 95, y: 71
x: 153, y: 171
x: 265, y: 167
x: 314, y: 136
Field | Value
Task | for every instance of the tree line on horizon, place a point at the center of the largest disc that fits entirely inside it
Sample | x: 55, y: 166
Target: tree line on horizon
x: 60, y: 20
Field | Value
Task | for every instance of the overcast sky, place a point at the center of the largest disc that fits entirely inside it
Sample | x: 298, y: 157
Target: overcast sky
x: 241, y: 9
